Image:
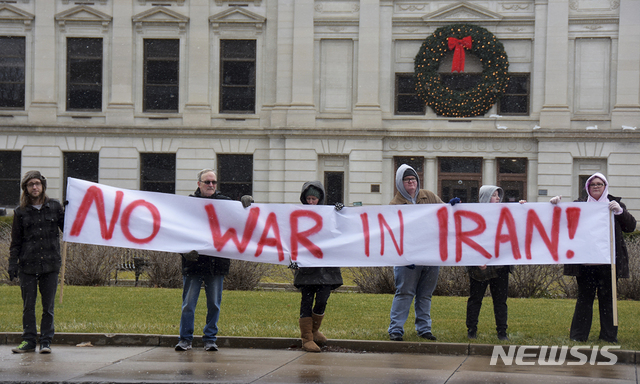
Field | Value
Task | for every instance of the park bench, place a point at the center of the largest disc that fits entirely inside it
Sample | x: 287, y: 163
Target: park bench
x: 129, y: 262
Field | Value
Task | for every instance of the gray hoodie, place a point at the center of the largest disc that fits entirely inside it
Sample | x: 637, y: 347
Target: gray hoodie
x: 400, y: 184
x: 486, y: 191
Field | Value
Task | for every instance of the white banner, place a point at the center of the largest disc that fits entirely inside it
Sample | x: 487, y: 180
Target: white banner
x: 313, y: 236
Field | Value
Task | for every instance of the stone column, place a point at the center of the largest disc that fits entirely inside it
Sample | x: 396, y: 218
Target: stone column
x: 539, y: 49
x: 120, y: 106
x: 626, y: 111
x: 367, y: 112
x: 302, y: 112
x: 284, y: 38
x: 430, y: 175
x: 489, y: 172
x: 197, y: 110
x: 43, y: 108
x: 555, y: 111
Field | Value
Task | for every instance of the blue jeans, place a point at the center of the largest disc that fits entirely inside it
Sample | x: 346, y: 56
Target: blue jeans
x: 418, y: 282
x: 190, y: 293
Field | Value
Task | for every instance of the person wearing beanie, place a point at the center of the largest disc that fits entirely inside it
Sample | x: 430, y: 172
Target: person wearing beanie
x: 315, y: 283
x: 34, y: 258
x: 496, y: 277
x: 412, y: 281
x: 596, y: 279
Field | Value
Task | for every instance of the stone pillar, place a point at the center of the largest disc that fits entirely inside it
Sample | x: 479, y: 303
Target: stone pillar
x: 284, y: 38
x: 302, y: 112
x: 555, y: 111
x: 626, y: 111
x: 430, y: 175
x: 489, y: 172
x: 367, y: 112
x: 539, y: 49
x: 197, y: 110
x: 43, y: 108
x: 120, y: 106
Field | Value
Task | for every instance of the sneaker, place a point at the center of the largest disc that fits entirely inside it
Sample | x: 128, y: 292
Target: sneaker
x: 502, y: 336
x: 210, y: 346
x: 45, y: 347
x: 395, y: 337
x: 183, y: 345
x: 24, y: 347
x: 428, y: 336
x: 472, y: 335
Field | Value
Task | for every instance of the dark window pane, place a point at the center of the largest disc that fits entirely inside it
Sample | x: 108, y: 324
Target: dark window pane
x: 460, y: 165
x: 334, y: 187
x: 10, y: 163
x: 12, y: 72
x: 80, y: 165
x: 515, y: 101
x: 237, y: 76
x: 514, y: 104
x: 235, y: 175
x: 158, y: 172
x: 161, y: 75
x: 407, y: 100
x: 513, y: 191
x: 460, y: 81
x: 84, y: 74
x: 515, y: 165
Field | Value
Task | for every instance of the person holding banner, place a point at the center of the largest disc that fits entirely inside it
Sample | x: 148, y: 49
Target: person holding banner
x: 496, y: 277
x: 314, y: 283
x: 34, y: 257
x: 596, y: 279
x: 198, y: 270
x: 413, y: 281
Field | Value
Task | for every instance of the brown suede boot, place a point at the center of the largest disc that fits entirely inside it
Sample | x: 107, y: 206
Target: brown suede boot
x: 306, y: 324
x: 318, y: 337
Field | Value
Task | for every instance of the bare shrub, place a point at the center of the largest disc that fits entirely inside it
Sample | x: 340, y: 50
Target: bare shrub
x: 245, y: 275
x: 630, y: 288
x: 163, y: 269
x: 5, y: 242
x: 374, y: 279
x: 452, y: 281
x: 536, y: 281
x: 89, y: 265
x: 281, y: 273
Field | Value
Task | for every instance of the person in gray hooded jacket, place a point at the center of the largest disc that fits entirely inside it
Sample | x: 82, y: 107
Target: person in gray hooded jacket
x: 496, y: 277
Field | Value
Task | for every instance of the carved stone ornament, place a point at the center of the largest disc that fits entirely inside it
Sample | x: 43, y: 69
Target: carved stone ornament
x: 160, y: 16
x: 9, y: 13
x: 83, y: 14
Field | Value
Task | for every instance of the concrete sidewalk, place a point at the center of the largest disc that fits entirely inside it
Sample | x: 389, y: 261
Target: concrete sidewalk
x: 151, y: 359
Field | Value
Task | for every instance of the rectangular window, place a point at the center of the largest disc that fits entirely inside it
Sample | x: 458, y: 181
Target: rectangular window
x: 12, y: 72
x: 84, y: 74
x: 407, y: 100
x: 515, y: 100
x: 334, y: 187
x: 80, y: 165
x: 10, y: 165
x: 460, y: 177
x: 158, y: 172
x: 237, y: 76
x: 161, y: 70
x: 235, y: 175
x: 512, y: 178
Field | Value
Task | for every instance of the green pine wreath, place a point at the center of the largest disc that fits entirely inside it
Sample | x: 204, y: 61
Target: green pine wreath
x: 472, y: 102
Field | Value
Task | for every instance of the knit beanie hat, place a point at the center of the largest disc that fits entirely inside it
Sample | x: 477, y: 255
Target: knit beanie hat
x: 33, y: 175
x: 312, y: 191
x: 409, y: 172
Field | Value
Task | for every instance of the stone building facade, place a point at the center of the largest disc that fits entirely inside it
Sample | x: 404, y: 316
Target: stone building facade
x: 271, y: 93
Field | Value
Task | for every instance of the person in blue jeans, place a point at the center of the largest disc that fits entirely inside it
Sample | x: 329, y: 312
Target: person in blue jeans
x: 413, y: 281
x: 198, y: 270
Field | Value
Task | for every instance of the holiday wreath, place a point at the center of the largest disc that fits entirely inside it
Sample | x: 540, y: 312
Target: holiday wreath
x: 466, y: 103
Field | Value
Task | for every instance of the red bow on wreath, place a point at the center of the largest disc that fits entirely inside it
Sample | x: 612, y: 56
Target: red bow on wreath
x: 458, y: 53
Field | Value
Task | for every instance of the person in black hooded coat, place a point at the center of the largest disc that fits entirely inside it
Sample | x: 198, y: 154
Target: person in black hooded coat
x: 314, y: 283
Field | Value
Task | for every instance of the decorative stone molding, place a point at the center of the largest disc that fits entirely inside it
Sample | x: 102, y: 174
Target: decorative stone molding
x: 337, y: 8
x: 515, y: 6
x: 178, y: 2
x: 411, y: 7
x: 160, y: 16
x: 221, y: 2
x: 83, y: 14
x: 575, y: 5
x: 9, y: 13
x: 462, y: 11
x: 236, y: 17
x: 65, y: 2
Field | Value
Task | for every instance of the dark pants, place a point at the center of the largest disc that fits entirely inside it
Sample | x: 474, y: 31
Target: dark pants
x: 499, y: 287
x: 309, y: 292
x: 29, y: 284
x: 594, y: 279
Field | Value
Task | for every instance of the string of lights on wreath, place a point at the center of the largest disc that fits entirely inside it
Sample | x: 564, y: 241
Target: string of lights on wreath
x: 467, y: 103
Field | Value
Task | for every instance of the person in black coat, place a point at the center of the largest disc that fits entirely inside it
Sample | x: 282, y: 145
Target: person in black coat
x: 596, y: 279
x: 314, y: 283
x: 34, y: 256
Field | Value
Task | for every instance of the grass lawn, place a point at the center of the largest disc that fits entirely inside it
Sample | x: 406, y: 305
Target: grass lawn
x: 274, y: 314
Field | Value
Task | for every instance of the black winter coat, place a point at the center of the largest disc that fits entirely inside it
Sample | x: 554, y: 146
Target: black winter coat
x: 624, y: 222
x: 206, y: 265
x: 316, y: 275
x: 35, y: 238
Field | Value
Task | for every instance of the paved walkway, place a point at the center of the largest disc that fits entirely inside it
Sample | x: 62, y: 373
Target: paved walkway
x: 281, y: 361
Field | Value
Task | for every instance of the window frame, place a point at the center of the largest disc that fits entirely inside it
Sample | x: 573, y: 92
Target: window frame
x: 7, y: 181
x: 145, y: 72
x: 168, y: 180
x: 227, y: 177
x: 100, y: 74
x: 24, y: 75
x: 222, y: 86
x: 512, y: 177
x: 527, y: 95
x: 397, y: 94
x: 65, y: 164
